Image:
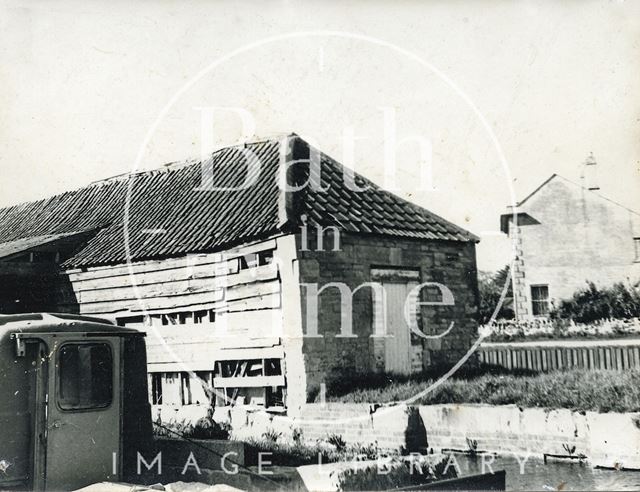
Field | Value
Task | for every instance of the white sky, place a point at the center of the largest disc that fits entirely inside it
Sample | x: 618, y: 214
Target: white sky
x: 82, y: 82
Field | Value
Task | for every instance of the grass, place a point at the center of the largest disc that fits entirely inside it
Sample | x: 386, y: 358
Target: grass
x: 396, y: 475
x: 203, y: 429
x: 579, y: 390
x: 297, y: 454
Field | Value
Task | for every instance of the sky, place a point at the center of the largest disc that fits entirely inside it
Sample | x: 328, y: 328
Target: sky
x: 502, y: 94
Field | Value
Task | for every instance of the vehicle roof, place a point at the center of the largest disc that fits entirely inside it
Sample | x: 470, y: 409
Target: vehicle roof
x: 58, y: 323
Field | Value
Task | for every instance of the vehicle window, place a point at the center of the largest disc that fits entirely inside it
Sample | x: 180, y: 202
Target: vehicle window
x: 85, y: 376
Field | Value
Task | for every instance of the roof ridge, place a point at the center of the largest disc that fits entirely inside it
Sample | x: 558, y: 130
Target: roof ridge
x: 595, y: 192
x: 538, y: 188
x: 199, y: 222
x: 167, y: 167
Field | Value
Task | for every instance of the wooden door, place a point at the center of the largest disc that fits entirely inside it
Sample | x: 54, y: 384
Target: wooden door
x: 397, y: 344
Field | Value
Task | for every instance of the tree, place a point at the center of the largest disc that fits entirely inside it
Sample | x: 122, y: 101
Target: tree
x: 491, y: 286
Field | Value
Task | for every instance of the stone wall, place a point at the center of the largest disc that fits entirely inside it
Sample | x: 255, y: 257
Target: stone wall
x: 452, y: 264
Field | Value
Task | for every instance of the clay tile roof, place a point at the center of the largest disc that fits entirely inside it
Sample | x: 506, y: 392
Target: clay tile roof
x: 169, y: 212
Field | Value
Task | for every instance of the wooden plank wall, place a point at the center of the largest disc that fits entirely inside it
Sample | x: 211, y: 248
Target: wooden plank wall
x: 600, y: 355
x: 247, y: 304
x: 196, y: 282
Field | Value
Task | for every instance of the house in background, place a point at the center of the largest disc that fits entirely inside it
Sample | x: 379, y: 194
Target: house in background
x: 567, y: 235
x: 217, y: 277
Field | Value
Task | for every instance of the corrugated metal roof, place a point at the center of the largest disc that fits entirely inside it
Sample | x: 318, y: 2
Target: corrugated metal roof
x: 169, y: 212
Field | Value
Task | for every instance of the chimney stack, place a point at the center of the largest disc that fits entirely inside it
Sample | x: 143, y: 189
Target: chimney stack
x: 591, y: 173
x: 295, y: 158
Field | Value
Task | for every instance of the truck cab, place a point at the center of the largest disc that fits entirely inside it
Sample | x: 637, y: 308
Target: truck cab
x: 73, y: 401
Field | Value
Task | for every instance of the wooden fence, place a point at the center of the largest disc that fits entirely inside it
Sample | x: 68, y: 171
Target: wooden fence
x: 554, y: 355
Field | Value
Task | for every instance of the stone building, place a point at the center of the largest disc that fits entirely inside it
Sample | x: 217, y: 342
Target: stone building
x: 567, y: 235
x: 245, y: 284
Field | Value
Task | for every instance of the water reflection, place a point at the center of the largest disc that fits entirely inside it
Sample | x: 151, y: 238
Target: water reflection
x: 553, y: 475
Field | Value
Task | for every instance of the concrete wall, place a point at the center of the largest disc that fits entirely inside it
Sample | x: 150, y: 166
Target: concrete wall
x: 581, y: 236
x: 609, y: 440
x: 357, y: 424
x: 452, y: 264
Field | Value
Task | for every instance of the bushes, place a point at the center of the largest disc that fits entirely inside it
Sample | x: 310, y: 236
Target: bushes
x: 600, y: 391
x: 587, y: 305
x: 337, y: 441
x: 204, y: 428
x: 490, y: 287
x: 298, y: 454
x: 593, y: 304
x: 591, y: 312
x: 558, y: 329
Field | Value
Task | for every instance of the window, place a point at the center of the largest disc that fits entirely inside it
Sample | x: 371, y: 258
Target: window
x: 265, y: 257
x: 130, y: 321
x: 540, y: 300
x: 85, y: 376
x: 272, y: 367
x: 44, y: 256
x: 275, y: 396
x: 636, y: 244
x: 169, y: 319
x: 204, y: 316
x: 248, y: 261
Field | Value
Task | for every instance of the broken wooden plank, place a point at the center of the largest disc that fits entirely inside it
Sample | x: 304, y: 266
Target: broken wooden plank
x: 248, y: 382
x: 257, y: 274
x: 187, y: 302
x: 188, y: 261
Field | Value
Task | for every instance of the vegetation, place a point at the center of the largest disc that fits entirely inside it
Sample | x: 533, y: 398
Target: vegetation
x: 591, y: 313
x: 490, y: 288
x: 601, y: 391
x: 560, y: 329
x: 591, y: 304
x: 337, y: 441
x: 399, y: 473
x: 204, y: 428
x: 298, y: 454
x: 271, y: 435
x: 352, y: 380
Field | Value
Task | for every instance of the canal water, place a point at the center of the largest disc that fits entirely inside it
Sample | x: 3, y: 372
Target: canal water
x: 554, y: 475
